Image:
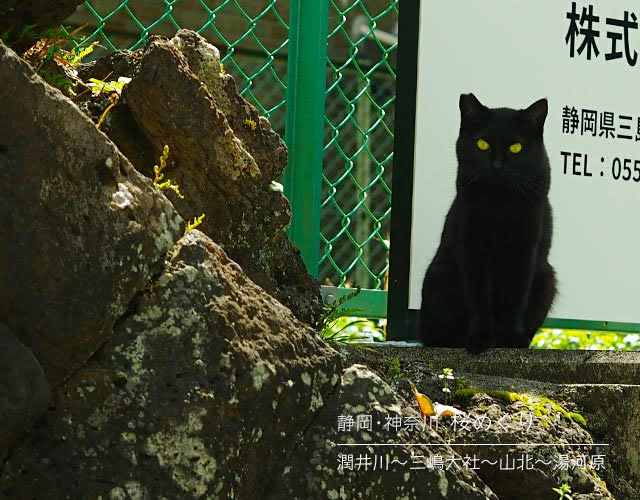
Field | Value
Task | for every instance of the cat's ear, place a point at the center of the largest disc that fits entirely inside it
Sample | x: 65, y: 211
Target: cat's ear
x: 537, y: 112
x: 469, y: 105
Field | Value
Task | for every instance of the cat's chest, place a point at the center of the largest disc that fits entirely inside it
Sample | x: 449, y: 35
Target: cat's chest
x: 499, y: 220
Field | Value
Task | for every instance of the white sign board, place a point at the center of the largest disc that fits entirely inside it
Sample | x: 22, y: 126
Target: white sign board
x: 582, y: 57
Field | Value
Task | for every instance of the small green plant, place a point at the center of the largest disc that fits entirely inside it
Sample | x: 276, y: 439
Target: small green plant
x: 4, y: 36
x: 250, y: 123
x: 461, y: 382
x: 27, y: 33
x: 564, y: 492
x: 49, y: 49
x: 469, y: 392
x: 112, y: 88
x: 99, y: 86
x: 339, y: 325
x: 75, y: 56
x: 160, y: 183
x: 352, y: 329
x: 58, y: 80
x: 50, y: 46
x: 332, y: 311
x: 192, y: 225
x: 543, y: 408
x: 447, y: 381
x: 394, y: 369
x: 578, y: 419
x: 159, y: 175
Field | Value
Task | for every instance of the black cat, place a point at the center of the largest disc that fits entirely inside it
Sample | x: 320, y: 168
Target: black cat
x: 490, y: 284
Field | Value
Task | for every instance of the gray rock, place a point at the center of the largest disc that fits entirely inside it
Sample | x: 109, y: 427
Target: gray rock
x: 24, y: 391
x: 314, y: 469
x: 536, y: 436
x: 81, y: 230
x: 203, y: 392
x: 611, y: 411
x: 223, y: 155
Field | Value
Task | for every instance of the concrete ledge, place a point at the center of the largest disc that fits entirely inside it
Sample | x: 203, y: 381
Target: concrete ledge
x: 560, y: 367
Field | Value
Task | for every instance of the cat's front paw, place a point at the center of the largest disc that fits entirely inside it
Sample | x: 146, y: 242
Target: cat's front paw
x: 479, y: 336
x: 511, y: 334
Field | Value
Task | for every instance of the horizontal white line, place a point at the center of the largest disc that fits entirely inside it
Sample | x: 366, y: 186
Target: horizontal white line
x: 472, y: 444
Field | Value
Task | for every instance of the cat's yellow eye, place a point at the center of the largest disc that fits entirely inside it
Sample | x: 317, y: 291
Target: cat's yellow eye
x: 515, y: 148
x: 482, y: 144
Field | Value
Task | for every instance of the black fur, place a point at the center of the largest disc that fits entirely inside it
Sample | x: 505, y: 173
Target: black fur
x: 490, y: 283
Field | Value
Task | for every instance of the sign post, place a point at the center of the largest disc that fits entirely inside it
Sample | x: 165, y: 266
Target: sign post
x: 583, y: 57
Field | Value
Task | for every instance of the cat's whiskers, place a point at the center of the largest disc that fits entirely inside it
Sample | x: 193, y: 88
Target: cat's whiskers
x: 471, y: 181
x: 532, y: 185
x: 526, y: 194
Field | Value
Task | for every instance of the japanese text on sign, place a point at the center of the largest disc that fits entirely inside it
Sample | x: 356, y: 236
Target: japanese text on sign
x: 585, y: 30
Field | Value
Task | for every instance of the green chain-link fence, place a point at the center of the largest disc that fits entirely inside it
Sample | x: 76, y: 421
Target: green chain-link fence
x: 253, y: 36
x: 358, y: 142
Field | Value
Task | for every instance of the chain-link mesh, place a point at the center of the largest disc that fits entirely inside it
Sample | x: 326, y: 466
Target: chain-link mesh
x: 358, y: 151
x: 253, y: 38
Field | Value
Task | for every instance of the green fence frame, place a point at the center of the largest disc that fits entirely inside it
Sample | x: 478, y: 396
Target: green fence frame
x: 304, y: 137
x: 305, y: 121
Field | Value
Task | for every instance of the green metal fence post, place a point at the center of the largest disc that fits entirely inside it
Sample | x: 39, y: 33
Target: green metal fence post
x: 304, y: 132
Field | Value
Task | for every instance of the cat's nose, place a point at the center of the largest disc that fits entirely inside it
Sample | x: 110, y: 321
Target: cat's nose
x: 496, y: 164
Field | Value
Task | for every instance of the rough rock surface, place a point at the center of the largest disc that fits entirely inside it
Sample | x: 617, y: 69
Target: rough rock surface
x: 536, y: 469
x: 261, y: 142
x: 314, y: 468
x: 81, y: 230
x: 612, y: 413
x: 15, y: 14
x: 201, y: 393
x: 223, y: 155
x: 536, y: 413
x: 24, y: 390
